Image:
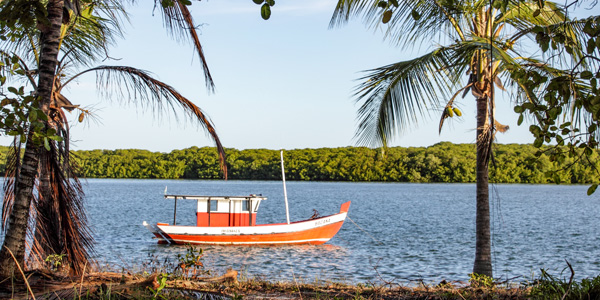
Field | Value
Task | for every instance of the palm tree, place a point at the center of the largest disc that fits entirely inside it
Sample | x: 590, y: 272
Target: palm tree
x: 484, y: 40
x: 60, y: 224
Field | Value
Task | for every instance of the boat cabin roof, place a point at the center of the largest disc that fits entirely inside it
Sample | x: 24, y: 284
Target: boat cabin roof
x: 205, y: 198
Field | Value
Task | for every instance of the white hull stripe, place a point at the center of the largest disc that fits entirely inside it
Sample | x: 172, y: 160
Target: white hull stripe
x: 253, y: 230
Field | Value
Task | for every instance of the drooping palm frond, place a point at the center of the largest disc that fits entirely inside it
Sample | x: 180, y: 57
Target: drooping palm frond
x: 91, y: 28
x: 85, y: 39
x: 414, y: 21
x: 180, y: 23
x: 397, y: 95
x: 345, y: 9
x: 58, y: 223
x: 522, y: 14
x: 61, y: 225
x: 127, y: 84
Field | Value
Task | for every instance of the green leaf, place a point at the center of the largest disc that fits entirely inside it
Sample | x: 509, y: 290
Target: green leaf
x: 520, y: 120
x: 537, y: 29
x: 46, y: 144
x: 591, y: 46
x: 265, y: 11
x: 519, y: 109
x: 382, y: 4
x: 538, y: 142
x: 536, y: 13
x: 592, y: 128
x: 394, y: 3
x: 592, y: 189
x: 56, y: 138
x: 535, y: 129
x: 32, y: 116
x: 586, y: 75
x: 13, y: 90
x: 415, y: 15
x: 258, y: 1
x: 588, y: 28
x: 387, y: 16
x: 271, y: 2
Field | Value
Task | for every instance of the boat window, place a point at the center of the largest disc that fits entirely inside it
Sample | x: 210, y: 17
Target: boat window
x: 246, y: 205
x: 213, y: 205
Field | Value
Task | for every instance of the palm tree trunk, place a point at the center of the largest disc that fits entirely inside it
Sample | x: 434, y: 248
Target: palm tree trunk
x: 483, y: 257
x: 16, y: 232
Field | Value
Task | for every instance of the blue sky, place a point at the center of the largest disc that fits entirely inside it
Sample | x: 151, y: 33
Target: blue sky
x: 285, y: 83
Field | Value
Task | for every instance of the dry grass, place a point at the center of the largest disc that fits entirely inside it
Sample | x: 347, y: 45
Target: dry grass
x: 111, y: 285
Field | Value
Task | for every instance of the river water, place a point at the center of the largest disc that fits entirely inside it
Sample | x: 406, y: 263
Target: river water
x: 396, y: 232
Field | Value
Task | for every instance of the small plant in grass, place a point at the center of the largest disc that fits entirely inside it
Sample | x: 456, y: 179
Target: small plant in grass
x: 481, y: 281
x: 550, y: 287
x: 162, y: 283
x: 55, y: 261
x: 190, y: 264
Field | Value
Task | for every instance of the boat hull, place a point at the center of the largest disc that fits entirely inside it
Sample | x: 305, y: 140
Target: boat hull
x: 315, y: 232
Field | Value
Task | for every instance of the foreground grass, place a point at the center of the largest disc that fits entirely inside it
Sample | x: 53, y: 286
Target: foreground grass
x: 110, y: 285
x: 187, y: 279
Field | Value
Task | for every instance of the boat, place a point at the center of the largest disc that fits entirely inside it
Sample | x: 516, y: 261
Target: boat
x: 231, y: 220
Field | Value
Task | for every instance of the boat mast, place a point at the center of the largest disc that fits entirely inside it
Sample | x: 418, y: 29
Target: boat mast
x: 287, y: 210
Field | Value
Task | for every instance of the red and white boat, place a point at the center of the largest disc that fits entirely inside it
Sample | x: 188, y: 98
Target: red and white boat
x: 231, y: 220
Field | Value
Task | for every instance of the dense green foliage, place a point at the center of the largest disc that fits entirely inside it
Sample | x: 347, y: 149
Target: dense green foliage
x: 443, y: 162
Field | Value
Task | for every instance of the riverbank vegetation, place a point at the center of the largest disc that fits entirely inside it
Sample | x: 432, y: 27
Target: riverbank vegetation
x: 186, y: 278
x: 442, y: 162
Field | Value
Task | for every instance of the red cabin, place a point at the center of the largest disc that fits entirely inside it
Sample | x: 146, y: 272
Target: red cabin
x: 224, y: 211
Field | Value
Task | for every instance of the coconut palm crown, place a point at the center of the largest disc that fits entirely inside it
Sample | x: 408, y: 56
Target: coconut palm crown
x: 476, y: 47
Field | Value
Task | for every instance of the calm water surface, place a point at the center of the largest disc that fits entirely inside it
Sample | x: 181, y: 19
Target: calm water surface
x: 408, y: 232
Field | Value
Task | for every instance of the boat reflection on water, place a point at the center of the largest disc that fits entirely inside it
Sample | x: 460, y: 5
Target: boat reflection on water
x: 275, y: 262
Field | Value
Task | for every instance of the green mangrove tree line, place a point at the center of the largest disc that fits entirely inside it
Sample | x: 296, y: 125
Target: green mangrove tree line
x: 443, y: 162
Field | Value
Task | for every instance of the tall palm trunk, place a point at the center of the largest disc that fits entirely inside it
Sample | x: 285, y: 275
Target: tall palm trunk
x: 16, y: 232
x: 483, y: 256
x: 17, y: 224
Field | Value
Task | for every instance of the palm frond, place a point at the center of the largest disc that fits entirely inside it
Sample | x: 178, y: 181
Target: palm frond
x: 551, y: 19
x: 414, y: 21
x: 61, y: 223
x: 129, y: 84
x: 396, y: 95
x: 348, y: 8
x: 179, y: 22
x: 87, y: 36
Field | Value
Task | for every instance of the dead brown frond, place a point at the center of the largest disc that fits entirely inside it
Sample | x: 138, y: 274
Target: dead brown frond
x: 178, y: 19
x: 61, y: 225
x: 135, y: 84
